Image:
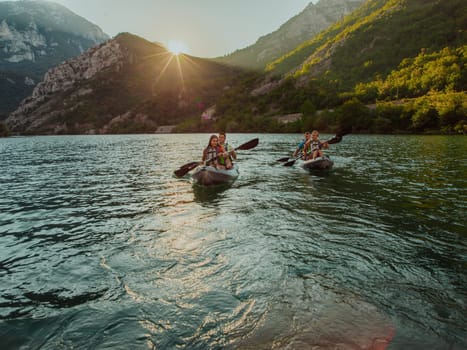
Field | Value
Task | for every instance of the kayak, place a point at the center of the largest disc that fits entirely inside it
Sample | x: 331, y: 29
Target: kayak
x: 208, y: 175
x: 320, y: 163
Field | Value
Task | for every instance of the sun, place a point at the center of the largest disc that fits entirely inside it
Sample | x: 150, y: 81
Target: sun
x: 177, y: 47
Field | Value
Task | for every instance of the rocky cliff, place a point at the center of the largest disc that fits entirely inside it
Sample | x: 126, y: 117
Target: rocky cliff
x: 35, y: 36
x: 62, y: 79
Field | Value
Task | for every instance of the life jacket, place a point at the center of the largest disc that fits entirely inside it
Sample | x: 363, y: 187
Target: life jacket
x: 316, y: 145
x: 211, y: 152
x: 224, y: 149
x: 313, y: 146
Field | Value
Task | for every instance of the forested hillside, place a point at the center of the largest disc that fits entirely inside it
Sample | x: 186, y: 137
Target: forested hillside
x: 390, y: 66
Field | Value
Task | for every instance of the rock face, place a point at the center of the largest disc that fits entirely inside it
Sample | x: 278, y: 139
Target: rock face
x: 63, y: 78
x: 312, y: 20
x: 35, y: 36
x: 125, y: 85
x: 83, y: 67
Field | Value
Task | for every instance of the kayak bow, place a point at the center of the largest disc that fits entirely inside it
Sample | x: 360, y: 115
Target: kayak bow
x: 209, y: 175
x: 320, y: 163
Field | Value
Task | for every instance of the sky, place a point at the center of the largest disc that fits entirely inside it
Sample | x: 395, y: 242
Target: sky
x: 204, y: 28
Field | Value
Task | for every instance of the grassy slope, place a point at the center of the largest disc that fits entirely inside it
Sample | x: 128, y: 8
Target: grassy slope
x: 376, y: 38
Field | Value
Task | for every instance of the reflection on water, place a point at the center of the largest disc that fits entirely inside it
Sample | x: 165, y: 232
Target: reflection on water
x: 321, y: 317
x: 210, y: 195
x: 102, y: 247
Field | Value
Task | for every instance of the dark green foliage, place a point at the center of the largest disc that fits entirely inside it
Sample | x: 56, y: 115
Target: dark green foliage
x: 353, y: 115
x: 307, y: 108
x: 13, y: 91
x: 377, y: 37
x: 443, y: 70
x: 4, y: 130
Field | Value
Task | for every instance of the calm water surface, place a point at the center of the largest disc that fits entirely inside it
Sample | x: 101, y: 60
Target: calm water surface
x: 101, y: 247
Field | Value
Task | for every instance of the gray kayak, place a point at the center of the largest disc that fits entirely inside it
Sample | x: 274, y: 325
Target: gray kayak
x: 208, y: 175
x: 320, y: 163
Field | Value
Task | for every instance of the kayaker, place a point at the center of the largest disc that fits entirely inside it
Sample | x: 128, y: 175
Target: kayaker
x: 212, y: 151
x: 227, y: 158
x: 301, y: 144
x: 312, y: 147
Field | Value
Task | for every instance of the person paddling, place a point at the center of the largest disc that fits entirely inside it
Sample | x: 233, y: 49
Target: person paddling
x: 212, y: 151
x: 312, y: 147
x: 302, y: 144
x: 227, y: 158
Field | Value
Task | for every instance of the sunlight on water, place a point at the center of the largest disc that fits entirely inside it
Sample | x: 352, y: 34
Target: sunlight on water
x: 103, y: 247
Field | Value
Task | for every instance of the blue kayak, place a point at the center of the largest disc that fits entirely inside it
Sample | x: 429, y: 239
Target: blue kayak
x: 209, y: 175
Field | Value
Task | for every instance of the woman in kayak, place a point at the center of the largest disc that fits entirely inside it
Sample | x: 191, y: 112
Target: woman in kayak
x: 212, y: 152
x: 314, y: 146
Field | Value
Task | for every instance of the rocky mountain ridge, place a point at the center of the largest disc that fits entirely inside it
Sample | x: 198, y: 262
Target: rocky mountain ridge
x: 35, y: 36
x: 126, y: 82
x: 312, y: 20
x: 64, y: 78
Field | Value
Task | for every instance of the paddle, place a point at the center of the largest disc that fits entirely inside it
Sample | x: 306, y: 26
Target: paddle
x: 335, y: 139
x: 292, y: 162
x: 184, y: 169
x: 284, y: 159
x: 189, y: 165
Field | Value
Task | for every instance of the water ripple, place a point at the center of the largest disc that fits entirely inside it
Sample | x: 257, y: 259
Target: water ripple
x: 103, y: 247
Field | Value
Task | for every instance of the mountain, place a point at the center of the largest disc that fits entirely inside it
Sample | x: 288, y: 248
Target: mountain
x: 127, y: 84
x: 312, y: 20
x: 389, y: 66
x: 375, y: 39
x: 35, y: 36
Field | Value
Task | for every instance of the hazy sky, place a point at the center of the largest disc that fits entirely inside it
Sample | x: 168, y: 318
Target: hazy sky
x: 206, y: 28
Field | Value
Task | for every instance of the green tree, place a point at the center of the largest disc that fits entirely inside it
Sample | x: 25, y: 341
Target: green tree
x: 426, y: 116
x: 308, y: 108
x: 353, y: 115
x: 4, y: 130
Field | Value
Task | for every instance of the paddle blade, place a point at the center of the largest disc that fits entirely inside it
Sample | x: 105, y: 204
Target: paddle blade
x: 184, y: 170
x: 283, y: 159
x: 290, y: 162
x: 335, y: 139
x: 248, y: 145
x: 189, y: 165
x: 342, y: 131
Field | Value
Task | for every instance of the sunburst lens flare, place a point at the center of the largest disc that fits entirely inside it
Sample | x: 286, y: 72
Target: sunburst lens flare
x: 177, y: 47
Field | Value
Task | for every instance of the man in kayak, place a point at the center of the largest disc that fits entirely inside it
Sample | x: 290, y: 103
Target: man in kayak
x: 301, y: 144
x: 229, y: 155
x: 212, y: 151
x: 312, y: 147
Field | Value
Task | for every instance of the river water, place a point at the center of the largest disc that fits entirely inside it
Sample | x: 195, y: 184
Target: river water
x: 102, y: 247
